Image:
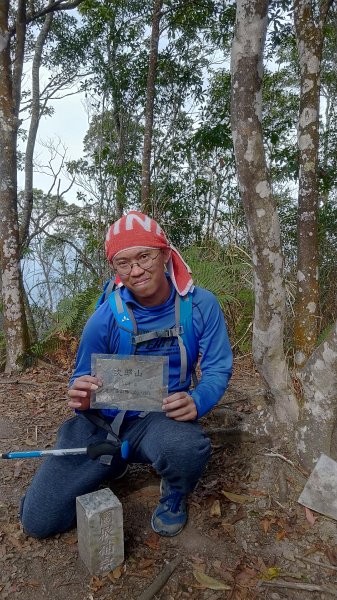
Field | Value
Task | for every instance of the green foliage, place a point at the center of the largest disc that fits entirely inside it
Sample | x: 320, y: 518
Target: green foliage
x: 279, y: 123
x: 211, y: 272
x: 73, y: 313
x: 67, y: 45
x: 70, y: 318
x: 227, y: 273
x: 324, y: 333
x: 214, y: 131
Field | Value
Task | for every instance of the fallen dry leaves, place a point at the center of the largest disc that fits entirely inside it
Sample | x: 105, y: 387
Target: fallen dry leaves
x: 238, y: 498
x: 210, y: 582
x: 215, y: 510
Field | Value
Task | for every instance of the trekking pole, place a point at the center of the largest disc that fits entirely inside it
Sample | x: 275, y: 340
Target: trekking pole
x: 93, y: 451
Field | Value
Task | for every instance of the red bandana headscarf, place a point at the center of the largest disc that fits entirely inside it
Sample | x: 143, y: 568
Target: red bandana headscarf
x: 135, y: 229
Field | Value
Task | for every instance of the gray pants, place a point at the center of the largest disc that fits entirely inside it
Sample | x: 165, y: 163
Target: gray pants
x: 178, y: 451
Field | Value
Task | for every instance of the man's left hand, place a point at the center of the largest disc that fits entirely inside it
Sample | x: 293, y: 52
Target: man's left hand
x: 180, y: 406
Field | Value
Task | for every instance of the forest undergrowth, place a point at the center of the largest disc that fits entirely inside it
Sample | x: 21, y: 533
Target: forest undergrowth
x: 247, y: 537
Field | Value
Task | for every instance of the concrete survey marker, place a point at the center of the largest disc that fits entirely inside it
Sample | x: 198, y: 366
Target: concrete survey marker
x: 320, y: 491
x: 130, y: 382
x: 100, y: 531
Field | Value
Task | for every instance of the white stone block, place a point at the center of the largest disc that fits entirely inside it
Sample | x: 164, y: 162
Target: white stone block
x: 100, y: 531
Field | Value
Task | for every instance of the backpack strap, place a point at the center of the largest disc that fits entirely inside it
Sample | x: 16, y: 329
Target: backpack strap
x: 129, y: 337
x: 126, y: 323
x: 109, y: 286
x: 179, y: 309
x: 158, y: 333
x: 186, y: 340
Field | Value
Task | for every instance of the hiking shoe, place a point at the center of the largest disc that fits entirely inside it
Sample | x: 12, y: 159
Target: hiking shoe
x: 170, y: 516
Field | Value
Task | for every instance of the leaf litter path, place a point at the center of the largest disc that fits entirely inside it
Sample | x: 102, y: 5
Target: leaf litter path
x: 246, y: 538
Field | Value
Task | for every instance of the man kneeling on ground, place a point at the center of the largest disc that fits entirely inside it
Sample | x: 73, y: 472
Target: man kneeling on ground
x: 152, y: 278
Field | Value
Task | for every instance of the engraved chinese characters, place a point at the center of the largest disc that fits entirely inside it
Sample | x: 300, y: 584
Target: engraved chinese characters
x: 100, y: 531
x: 130, y: 382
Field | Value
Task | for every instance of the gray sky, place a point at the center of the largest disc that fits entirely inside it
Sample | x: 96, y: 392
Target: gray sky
x: 66, y: 128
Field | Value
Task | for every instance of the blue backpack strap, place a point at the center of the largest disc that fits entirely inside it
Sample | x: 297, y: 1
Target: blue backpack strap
x: 109, y: 287
x: 187, y: 341
x: 126, y: 323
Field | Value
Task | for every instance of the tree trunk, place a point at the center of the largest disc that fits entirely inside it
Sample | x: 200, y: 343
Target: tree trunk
x: 15, y: 327
x: 19, y: 55
x: 34, y: 124
x: 309, y: 42
x: 150, y: 93
x: 316, y: 428
x: 259, y: 204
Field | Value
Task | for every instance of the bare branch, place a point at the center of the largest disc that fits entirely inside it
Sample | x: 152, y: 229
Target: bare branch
x: 80, y: 253
x: 43, y: 228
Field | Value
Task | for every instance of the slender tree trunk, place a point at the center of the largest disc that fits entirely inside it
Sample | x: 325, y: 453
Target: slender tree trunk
x: 150, y: 93
x: 259, y: 204
x: 119, y: 119
x: 29, y: 315
x: 218, y: 199
x: 209, y: 209
x: 309, y: 42
x: 119, y: 122
x: 15, y: 326
x: 121, y: 187
x: 34, y: 124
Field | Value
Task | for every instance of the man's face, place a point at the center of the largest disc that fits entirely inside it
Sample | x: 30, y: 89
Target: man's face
x: 146, y: 279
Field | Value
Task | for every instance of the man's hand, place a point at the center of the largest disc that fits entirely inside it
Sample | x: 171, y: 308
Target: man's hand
x: 80, y: 391
x: 180, y: 406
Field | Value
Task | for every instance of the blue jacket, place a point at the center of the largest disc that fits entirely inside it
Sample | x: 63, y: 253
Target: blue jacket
x: 101, y: 335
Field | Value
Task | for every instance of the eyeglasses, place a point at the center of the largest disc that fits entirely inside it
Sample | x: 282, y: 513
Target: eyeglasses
x: 145, y: 261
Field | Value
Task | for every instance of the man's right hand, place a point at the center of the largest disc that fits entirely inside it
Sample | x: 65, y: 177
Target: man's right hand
x: 80, y: 391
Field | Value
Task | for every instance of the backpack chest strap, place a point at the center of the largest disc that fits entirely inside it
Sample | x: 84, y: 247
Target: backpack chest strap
x: 159, y: 333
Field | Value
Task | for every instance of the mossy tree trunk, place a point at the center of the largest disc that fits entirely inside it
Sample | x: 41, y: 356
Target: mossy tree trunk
x: 309, y: 418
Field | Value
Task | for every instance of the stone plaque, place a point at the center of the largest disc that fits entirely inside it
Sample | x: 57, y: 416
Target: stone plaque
x: 130, y: 382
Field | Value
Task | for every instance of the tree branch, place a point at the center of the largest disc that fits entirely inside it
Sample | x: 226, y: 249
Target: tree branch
x: 56, y: 6
x: 42, y: 228
x: 81, y: 255
x: 323, y: 13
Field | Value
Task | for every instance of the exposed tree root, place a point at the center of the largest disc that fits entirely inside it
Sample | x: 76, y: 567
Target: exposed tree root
x: 160, y: 580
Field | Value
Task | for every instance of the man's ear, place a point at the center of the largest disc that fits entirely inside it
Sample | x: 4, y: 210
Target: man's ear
x: 167, y: 254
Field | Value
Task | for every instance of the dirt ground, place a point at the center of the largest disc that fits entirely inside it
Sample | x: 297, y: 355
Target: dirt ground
x: 257, y: 543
